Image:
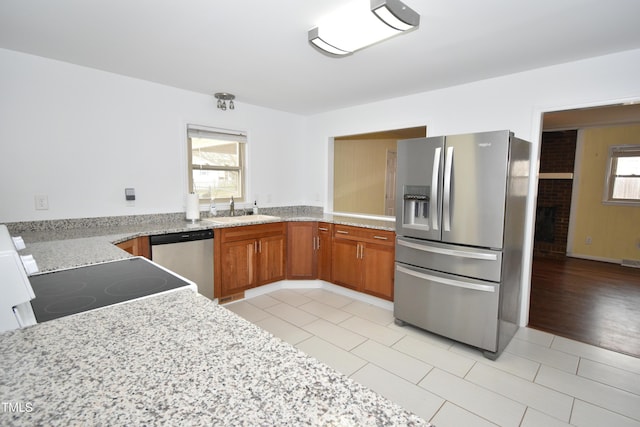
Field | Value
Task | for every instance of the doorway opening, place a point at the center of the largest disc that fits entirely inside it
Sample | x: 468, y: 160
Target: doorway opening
x: 580, y: 288
x: 364, y: 171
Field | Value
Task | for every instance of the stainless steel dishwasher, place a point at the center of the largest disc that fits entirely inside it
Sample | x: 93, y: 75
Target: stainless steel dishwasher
x: 189, y: 254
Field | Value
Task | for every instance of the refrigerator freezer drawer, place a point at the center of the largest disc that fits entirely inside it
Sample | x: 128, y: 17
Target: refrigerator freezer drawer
x: 485, y: 264
x: 462, y: 309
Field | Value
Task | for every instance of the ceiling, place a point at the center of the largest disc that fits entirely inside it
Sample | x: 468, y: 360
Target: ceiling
x: 258, y: 50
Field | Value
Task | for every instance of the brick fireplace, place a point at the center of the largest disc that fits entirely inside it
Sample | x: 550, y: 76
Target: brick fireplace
x: 557, y: 158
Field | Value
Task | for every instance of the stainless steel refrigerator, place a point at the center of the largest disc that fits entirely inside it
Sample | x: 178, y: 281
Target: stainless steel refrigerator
x: 460, y: 225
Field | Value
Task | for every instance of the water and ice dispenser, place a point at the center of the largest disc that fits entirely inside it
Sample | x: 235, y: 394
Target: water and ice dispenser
x: 416, y: 205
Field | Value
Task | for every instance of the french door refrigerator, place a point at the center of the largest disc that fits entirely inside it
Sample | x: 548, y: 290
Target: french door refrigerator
x: 460, y: 224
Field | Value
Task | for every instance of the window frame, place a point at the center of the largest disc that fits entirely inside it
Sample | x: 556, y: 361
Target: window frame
x: 616, y: 152
x: 239, y: 137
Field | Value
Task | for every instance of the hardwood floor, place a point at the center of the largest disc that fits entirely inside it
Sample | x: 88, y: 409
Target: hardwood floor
x: 589, y: 301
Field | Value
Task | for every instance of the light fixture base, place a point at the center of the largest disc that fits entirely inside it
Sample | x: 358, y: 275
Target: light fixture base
x: 356, y: 25
x: 222, y: 98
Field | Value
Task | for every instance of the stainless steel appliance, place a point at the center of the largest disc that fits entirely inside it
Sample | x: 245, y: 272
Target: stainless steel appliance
x: 460, y: 223
x: 190, y: 254
x: 66, y: 292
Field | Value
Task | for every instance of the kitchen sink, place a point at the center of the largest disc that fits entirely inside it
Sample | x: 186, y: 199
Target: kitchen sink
x: 241, y: 219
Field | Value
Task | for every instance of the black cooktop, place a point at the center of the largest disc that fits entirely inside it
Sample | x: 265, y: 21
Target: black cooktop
x: 67, y: 292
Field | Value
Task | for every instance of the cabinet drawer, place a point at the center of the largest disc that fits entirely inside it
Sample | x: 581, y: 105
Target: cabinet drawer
x: 325, y: 228
x: 246, y: 232
x: 364, y: 234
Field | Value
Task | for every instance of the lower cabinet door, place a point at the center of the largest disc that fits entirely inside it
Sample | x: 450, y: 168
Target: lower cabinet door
x: 378, y: 270
x: 238, y: 266
x: 301, y: 250
x: 325, y: 231
x: 271, y: 261
x: 346, y: 263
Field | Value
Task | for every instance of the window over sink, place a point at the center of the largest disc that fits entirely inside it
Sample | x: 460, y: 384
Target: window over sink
x: 216, y: 163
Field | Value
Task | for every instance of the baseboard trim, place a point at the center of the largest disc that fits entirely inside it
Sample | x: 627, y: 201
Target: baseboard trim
x: 316, y: 284
x: 595, y: 258
x: 634, y: 263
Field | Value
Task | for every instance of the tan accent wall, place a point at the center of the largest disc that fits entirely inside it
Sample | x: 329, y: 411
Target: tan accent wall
x: 359, y: 175
x: 614, y: 230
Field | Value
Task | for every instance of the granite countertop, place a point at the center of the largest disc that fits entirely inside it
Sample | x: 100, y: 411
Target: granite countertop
x: 176, y: 359
x: 84, y: 242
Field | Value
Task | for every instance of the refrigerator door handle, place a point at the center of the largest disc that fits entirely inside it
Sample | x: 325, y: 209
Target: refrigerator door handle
x: 446, y: 199
x: 451, y: 252
x: 445, y: 281
x: 433, y: 205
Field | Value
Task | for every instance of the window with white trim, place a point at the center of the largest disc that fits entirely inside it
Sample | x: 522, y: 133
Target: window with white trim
x: 623, y: 175
x: 216, y: 163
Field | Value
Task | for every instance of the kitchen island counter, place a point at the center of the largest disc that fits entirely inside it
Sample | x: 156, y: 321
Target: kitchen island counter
x: 176, y: 359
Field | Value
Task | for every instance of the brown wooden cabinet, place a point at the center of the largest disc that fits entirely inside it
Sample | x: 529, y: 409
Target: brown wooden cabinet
x: 309, y: 250
x: 138, y: 246
x: 248, y: 256
x: 302, y: 241
x: 378, y: 263
x: 363, y: 260
x: 323, y: 251
x: 346, y: 269
x: 272, y: 258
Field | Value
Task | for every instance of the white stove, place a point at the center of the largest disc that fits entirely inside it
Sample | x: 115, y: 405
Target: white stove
x: 15, y: 308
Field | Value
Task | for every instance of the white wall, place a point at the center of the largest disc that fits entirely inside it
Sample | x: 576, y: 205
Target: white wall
x: 513, y: 102
x: 80, y: 136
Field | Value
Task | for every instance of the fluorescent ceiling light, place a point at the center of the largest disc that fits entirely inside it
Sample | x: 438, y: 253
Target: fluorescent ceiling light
x: 362, y: 23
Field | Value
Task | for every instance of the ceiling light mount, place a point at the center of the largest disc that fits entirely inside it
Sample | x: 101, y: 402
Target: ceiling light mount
x: 395, y: 14
x: 222, y: 98
x: 358, y: 25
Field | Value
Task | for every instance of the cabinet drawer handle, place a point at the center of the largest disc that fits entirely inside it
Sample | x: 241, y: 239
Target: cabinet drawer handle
x: 342, y: 232
x: 323, y: 229
x: 380, y: 237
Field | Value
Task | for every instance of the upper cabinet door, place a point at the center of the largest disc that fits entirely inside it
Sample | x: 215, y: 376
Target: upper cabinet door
x: 419, y: 188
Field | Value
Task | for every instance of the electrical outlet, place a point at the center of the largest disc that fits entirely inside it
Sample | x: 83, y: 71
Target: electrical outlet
x: 588, y: 240
x: 42, y: 202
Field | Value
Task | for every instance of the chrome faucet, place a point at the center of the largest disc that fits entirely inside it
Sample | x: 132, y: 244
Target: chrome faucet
x: 232, y: 208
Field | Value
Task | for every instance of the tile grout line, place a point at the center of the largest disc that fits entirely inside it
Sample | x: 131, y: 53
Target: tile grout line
x: 570, y: 351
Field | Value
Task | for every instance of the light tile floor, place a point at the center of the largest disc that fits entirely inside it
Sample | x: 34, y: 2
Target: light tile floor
x: 539, y: 380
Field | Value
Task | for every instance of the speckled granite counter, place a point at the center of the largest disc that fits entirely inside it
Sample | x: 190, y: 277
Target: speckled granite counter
x: 66, y: 244
x: 176, y: 359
